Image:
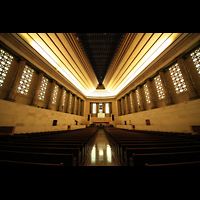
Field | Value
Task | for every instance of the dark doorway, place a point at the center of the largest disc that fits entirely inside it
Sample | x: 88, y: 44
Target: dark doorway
x: 147, y: 121
x: 55, y: 122
x: 113, y: 117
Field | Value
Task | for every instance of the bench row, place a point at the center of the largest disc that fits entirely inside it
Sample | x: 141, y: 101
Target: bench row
x: 44, y: 149
x: 135, y: 149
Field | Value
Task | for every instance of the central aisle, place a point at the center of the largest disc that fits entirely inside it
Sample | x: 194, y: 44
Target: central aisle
x: 101, y: 153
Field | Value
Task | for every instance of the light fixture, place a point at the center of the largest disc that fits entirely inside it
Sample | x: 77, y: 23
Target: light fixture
x: 62, y: 70
x: 44, y: 54
x: 137, y: 69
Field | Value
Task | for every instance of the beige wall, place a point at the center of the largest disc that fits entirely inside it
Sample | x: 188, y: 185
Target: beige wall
x: 32, y: 119
x: 107, y: 118
x: 176, y: 118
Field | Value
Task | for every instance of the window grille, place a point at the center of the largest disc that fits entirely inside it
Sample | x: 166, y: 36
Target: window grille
x: 25, y: 80
x: 131, y: 101
x: 55, y: 94
x: 43, y: 88
x: 64, y: 96
x: 70, y: 101
x: 137, y: 96
x: 146, y: 91
x: 5, y: 62
x: 159, y: 87
x: 196, y: 59
x: 177, y: 78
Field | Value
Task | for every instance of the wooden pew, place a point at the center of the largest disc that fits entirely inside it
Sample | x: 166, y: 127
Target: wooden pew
x: 77, y: 142
x: 75, y: 151
x: 164, y: 158
x: 148, y: 147
x: 193, y: 163
x: 12, y: 163
x: 129, y: 151
x: 48, y: 145
x: 50, y: 158
x: 122, y: 145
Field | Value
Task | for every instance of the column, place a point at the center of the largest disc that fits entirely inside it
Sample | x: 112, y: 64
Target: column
x: 91, y: 107
x: 125, y: 105
x: 140, y: 98
x: 122, y: 105
x: 72, y: 103
x: 129, y: 103
x: 79, y: 106
x: 35, y: 97
x: 119, y: 107
x: 110, y: 108
x: 152, y: 102
x: 97, y: 108
x: 60, y: 107
x: 168, y: 98
x: 77, y: 101
x: 13, y: 90
x: 104, y: 107
x: 82, y: 107
x: 53, y: 84
x: 75, y: 105
x: 190, y: 87
x: 69, y: 102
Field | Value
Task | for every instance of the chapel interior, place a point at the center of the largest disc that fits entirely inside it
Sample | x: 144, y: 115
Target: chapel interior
x: 99, y: 99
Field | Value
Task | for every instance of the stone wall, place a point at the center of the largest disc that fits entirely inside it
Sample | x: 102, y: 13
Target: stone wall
x: 27, y: 119
x: 176, y: 118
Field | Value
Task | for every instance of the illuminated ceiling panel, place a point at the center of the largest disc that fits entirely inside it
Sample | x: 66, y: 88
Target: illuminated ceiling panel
x: 65, y: 52
x: 55, y: 48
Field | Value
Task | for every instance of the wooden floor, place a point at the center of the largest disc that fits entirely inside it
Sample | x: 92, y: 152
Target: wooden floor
x: 101, y: 153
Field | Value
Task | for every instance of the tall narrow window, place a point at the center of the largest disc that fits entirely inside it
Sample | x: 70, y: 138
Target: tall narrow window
x: 43, y: 88
x: 70, y: 101
x: 146, y: 91
x: 5, y: 62
x: 64, y: 96
x: 159, y: 87
x: 131, y: 101
x: 177, y: 78
x: 100, y: 108
x: 196, y: 59
x: 94, y: 108
x: 107, y: 108
x: 55, y: 94
x: 25, y: 80
x: 137, y: 96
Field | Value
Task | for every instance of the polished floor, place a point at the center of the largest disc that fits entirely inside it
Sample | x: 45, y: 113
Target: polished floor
x: 101, y: 153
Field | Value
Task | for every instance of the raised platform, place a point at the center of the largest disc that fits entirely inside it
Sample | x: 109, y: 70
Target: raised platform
x: 103, y: 123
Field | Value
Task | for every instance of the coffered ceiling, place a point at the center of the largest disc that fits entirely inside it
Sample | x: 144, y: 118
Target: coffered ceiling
x: 89, y: 59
